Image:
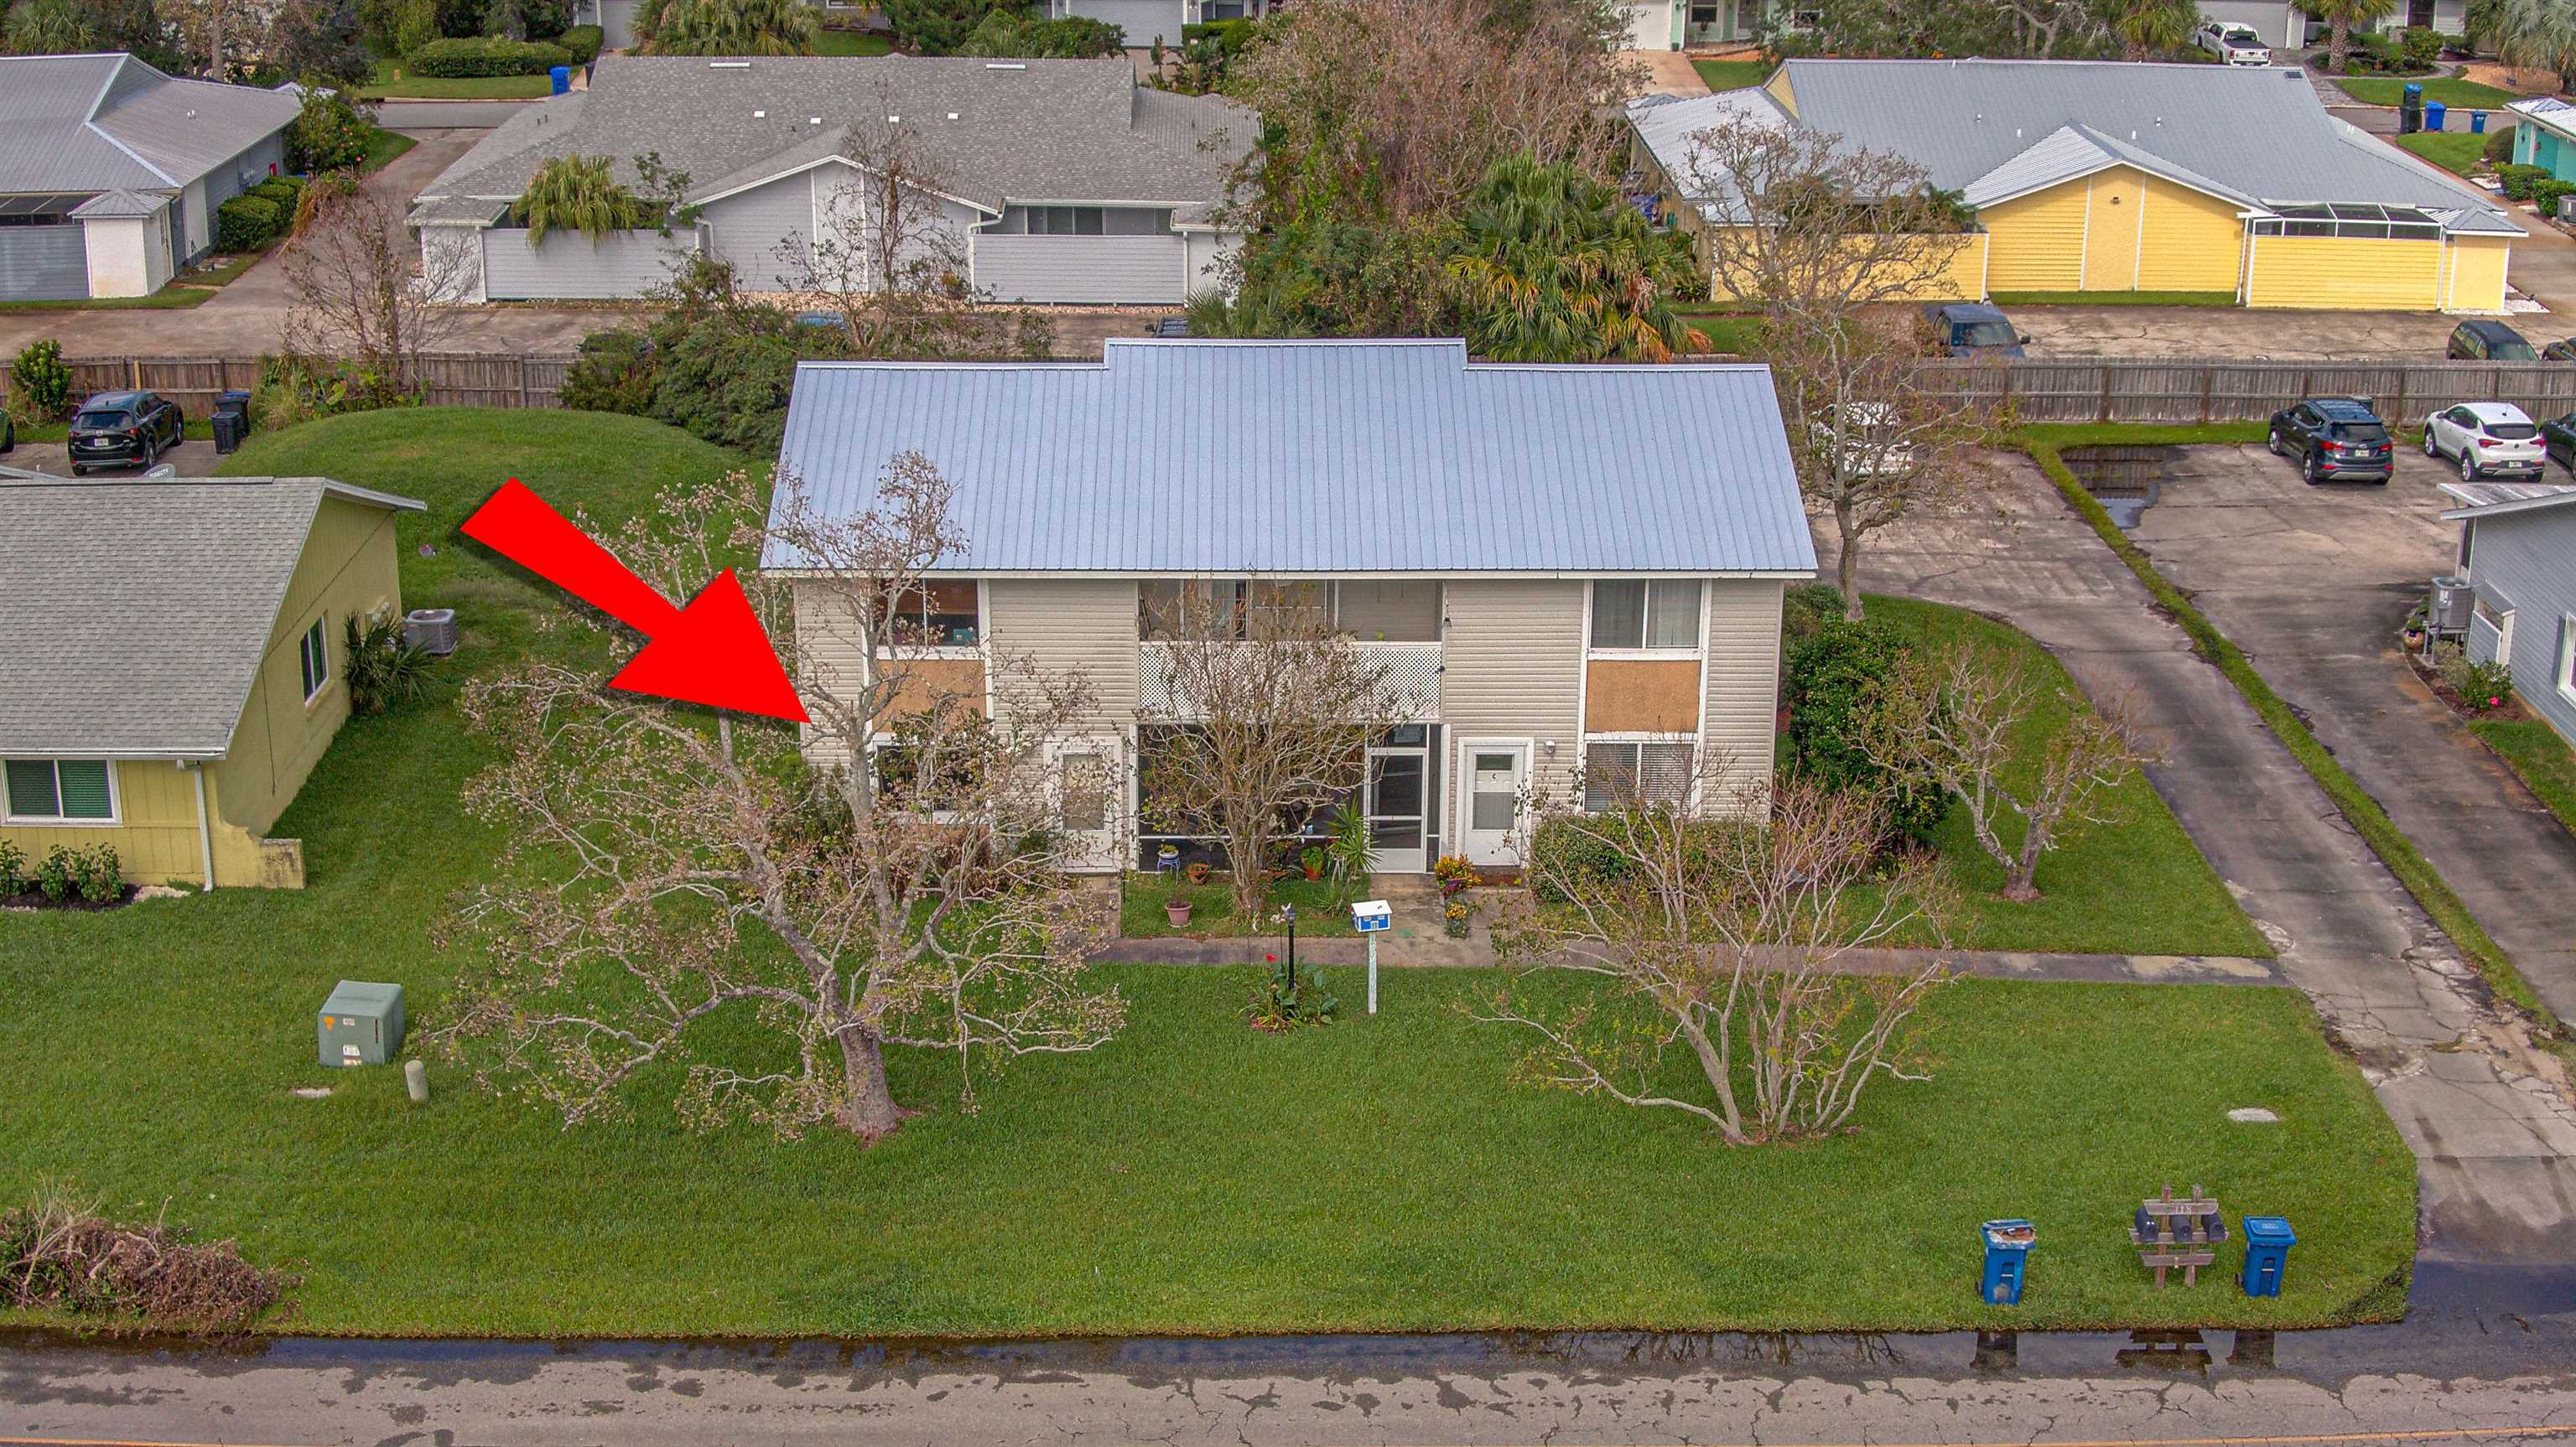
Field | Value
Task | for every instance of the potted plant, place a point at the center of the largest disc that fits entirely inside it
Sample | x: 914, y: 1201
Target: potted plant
x: 1177, y: 909
x: 1311, y: 859
x: 1198, y: 871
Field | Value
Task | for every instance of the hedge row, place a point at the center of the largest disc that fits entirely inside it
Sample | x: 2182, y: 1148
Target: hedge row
x: 483, y: 56
x: 257, y: 216
x: 584, y: 42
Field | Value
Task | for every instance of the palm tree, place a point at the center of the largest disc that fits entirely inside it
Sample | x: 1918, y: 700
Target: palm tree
x: 2536, y: 33
x: 577, y: 193
x: 49, y: 27
x: 2150, y: 28
x: 2343, y: 15
x: 1557, y: 267
x: 735, y: 27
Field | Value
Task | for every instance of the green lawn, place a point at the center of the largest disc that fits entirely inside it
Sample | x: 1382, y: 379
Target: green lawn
x: 853, y: 42
x: 1734, y: 332
x: 1732, y: 74
x: 2114, y: 298
x: 1320, y: 911
x: 2450, y: 90
x: 2454, y: 151
x: 392, y: 81
x: 2535, y: 752
x: 384, y: 147
x: 2135, y: 886
x: 168, y: 298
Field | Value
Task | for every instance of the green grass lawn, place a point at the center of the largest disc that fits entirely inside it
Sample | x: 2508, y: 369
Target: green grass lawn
x: 2450, y: 90
x: 1321, y: 911
x: 384, y: 147
x: 2453, y: 151
x: 169, y: 298
x: 2114, y: 298
x: 393, y: 81
x: 1732, y: 74
x: 853, y: 42
x: 2134, y: 886
x: 2535, y: 752
x: 1735, y: 332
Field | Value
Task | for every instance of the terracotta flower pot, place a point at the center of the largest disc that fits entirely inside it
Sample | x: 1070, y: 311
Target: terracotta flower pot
x: 1198, y: 873
x: 1177, y: 911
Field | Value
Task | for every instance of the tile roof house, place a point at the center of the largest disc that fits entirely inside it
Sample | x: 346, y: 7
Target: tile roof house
x: 2112, y: 176
x: 172, y: 666
x: 1060, y: 180
x: 110, y: 171
x: 2518, y: 551
x: 1559, y: 567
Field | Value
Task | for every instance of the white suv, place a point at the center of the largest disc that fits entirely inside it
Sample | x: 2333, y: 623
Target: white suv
x: 2235, y: 44
x: 2487, y: 438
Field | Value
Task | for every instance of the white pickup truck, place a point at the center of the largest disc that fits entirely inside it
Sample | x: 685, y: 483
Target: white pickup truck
x: 2234, y: 44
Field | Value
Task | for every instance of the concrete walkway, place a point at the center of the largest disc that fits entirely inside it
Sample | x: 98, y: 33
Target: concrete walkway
x: 1667, y: 72
x: 2488, y: 1118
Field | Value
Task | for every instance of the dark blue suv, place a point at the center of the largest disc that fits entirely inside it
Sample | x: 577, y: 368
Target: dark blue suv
x: 2336, y: 439
x: 1971, y: 329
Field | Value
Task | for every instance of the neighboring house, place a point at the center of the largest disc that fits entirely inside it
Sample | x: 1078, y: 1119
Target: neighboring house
x: 110, y: 171
x: 2518, y: 550
x: 1149, y: 21
x: 2289, y: 27
x: 2545, y: 135
x: 1680, y: 24
x: 1061, y: 180
x: 2110, y: 176
x: 1558, y: 566
x: 171, y: 668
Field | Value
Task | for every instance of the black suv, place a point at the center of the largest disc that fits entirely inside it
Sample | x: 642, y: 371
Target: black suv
x: 1970, y: 329
x: 2483, y: 341
x: 124, y: 428
x: 2336, y: 439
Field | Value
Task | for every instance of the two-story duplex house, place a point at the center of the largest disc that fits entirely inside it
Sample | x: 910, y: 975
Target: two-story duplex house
x: 1563, y: 567
x: 2518, y: 550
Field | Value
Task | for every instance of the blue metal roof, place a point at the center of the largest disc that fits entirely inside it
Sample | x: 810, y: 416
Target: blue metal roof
x: 1179, y: 457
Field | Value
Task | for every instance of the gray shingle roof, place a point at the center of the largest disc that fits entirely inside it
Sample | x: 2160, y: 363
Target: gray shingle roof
x: 137, y: 611
x: 994, y: 131
x: 74, y: 123
x: 1173, y: 457
x: 2255, y: 132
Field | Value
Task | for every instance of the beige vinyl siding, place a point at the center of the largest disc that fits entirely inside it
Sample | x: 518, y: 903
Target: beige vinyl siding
x: 571, y: 266
x: 829, y: 659
x: 1739, y: 714
x: 1080, y: 626
x: 1512, y: 667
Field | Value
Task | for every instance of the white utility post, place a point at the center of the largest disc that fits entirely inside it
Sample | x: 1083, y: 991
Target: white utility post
x: 1371, y: 918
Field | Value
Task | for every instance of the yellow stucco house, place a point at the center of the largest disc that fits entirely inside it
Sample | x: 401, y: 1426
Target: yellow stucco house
x: 170, y: 662
x: 2107, y: 176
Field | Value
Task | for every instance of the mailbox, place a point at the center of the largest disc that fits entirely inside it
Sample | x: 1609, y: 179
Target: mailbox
x: 1371, y: 915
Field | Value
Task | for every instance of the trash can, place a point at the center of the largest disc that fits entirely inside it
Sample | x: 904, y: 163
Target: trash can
x: 2410, y: 109
x: 2477, y: 123
x: 2432, y: 115
x: 2268, y: 1240
x: 237, y: 402
x: 561, y: 75
x: 230, y: 428
x: 2008, y: 1246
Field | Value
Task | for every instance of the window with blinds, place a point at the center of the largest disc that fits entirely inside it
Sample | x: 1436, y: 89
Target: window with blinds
x: 60, y: 790
x: 1634, y: 773
x: 1636, y: 613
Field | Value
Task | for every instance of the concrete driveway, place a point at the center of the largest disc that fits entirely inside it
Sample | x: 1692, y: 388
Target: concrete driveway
x: 192, y: 458
x: 2235, y: 333
x: 2313, y: 582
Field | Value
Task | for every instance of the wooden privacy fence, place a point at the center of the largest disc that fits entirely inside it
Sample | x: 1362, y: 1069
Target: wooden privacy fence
x: 2181, y: 389
x: 456, y: 379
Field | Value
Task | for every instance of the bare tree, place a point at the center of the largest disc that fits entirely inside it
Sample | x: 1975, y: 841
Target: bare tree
x: 357, y: 289
x: 683, y: 893
x: 1724, y: 939
x: 1955, y: 722
x: 1264, y: 716
x: 1817, y: 237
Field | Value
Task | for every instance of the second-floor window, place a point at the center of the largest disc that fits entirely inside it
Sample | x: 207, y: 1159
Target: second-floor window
x: 1639, y: 613
x: 1397, y: 610
x: 943, y: 614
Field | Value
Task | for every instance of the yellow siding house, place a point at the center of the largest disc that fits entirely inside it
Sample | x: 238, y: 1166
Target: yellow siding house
x: 171, y: 666
x: 2092, y: 176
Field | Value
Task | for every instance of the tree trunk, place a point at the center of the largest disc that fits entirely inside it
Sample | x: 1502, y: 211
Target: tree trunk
x: 870, y: 1112
x: 2341, y: 46
x: 2021, y: 887
x: 1847, y: 562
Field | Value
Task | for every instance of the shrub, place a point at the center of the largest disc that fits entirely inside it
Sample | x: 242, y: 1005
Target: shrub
x: 2419, y: 44
x: 43, y: 383
x: 2518, y: 180
x: 1230, y: 35
x: 1833, y: 675
x: 415, y: 24
x: 2546, y: 194
x: 2481, y: 686
x: 58, y: 1254
x: 247, y: 223
x: 1016, y: 35
x: 98, y: 874
x: 485, y: 56
x: 613, y: 373
x: 583, y: 43
x: 13, y: 870
x: 383, y: 668
x: 2499, y: 146
x: 54, y: 876
x: 329, y: 134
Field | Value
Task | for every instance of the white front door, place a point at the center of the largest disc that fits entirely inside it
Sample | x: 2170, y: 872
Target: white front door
x: 1090, y: 788
x: 1496, y: 774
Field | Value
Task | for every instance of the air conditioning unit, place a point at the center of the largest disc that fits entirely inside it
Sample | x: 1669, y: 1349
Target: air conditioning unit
x: 431, y: 630
x: 2453, y: 603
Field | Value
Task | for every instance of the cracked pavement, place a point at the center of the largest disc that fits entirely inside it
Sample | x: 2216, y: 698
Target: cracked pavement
x: 2488, y: 1117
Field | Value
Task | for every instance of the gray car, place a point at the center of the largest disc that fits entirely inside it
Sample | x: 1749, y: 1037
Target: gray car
x: 1971, y: 329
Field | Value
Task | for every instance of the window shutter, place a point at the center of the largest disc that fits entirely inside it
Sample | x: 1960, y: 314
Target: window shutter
x: 84, y: 788
x: 31, y: 789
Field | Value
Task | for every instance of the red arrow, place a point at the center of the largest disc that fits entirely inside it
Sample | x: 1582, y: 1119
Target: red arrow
x: 713, y: 651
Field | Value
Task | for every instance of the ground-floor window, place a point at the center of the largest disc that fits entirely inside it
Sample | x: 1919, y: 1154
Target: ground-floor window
x: 61, y: 791
x: 2565, y: 672
x: 1399, y: 796
x: 1617, y: 772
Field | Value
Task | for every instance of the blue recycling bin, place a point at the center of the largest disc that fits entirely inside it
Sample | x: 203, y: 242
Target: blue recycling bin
x: 2432, y: 115
x: 2268, y: 1240
x: 2477, y: 123
x: 561, y: 75
x: 2008, y: 1246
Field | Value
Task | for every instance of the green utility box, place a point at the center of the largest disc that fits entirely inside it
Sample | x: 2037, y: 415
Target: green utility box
x: 361, y: 1024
